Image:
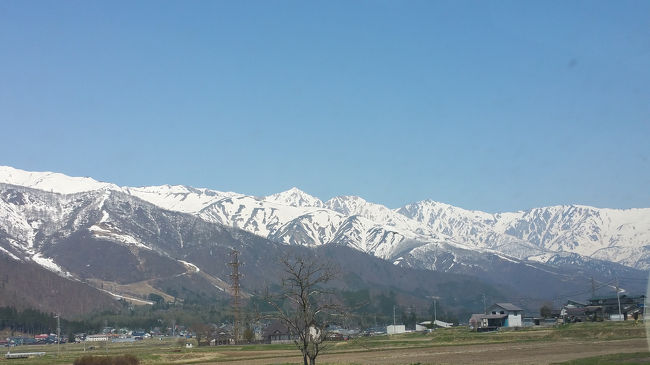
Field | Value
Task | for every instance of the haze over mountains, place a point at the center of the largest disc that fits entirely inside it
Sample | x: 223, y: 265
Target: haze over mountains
x: 165, y: 232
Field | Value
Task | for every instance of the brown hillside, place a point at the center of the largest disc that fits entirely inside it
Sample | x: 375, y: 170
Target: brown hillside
x: 27, y: 285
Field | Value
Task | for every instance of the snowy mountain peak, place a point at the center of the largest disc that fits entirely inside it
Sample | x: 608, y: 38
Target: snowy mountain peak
x: 296, y: 198
x: 346, y: 204
x: 433, y: 213
x: 51, y: 181
x: 354, y: 205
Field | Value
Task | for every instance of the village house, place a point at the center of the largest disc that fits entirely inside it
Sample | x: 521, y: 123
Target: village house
x: 497, y: 316
x: 575, y: 311
x: 277, y: 332
x: 221, y: 336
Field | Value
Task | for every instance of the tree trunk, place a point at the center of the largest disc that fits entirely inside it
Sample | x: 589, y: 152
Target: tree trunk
x: 312, y: 360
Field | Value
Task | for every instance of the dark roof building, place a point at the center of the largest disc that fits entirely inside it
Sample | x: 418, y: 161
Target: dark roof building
x: 277, y: 332
x: 504, y: 307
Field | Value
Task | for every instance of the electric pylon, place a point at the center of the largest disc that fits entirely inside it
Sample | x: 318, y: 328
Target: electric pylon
x: 235, y: 292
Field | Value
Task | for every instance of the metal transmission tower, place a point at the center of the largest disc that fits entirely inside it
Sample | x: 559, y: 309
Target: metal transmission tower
x: 235, y: 292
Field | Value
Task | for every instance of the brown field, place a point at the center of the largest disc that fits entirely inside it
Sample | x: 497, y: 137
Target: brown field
x: 501, y: 353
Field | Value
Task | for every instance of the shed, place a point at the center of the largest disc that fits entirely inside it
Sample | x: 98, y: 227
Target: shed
x: 394, y: 329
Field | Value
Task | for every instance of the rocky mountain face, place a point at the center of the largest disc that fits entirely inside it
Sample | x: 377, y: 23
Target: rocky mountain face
x: 85, y: 229
x: 107, y: 243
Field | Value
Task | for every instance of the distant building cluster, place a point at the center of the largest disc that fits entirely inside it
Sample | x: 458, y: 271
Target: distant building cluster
x: 41, y: 339
x: 503, y: 315
x: 611, y: 308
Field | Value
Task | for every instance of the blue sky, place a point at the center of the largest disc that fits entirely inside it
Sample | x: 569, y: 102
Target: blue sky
x: 496, y: 106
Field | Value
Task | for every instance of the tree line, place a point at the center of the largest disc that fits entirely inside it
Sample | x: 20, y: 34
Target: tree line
x: 30, y: 321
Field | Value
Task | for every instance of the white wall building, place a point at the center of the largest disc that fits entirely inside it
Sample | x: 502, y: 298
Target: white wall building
x: 513, y: 314
x: 96, y: 338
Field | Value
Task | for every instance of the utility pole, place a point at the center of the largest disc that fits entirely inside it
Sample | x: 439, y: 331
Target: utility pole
x: 593, y: 287
x: 235, y: 291
x: 58, y: 335
x: 435, y: 312
x: 393, y: 314
x: 484, y: 305
x: 618, y: 299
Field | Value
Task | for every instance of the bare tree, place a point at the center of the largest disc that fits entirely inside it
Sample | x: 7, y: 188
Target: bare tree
x: 202, y: 332
x: 304, y: 305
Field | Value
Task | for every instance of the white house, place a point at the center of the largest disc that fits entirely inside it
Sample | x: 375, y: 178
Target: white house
x: 498, y: 315
x: 512, y: 314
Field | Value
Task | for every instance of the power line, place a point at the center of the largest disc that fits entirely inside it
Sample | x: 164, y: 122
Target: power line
x: 572, y: 294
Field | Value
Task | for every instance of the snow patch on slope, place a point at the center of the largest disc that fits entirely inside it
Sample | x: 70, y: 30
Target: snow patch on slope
x: 47, y: 263
x: 10, y: 254
x: 190, y: 266
x: 119, y: 296
x: 105, y: 231
x: 543, y: 258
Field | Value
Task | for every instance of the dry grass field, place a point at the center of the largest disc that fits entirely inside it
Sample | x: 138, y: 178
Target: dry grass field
x: 606, y: 342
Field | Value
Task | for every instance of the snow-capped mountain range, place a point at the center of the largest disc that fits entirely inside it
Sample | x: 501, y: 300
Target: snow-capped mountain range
x: 168, y: 236
x: 297, y: 218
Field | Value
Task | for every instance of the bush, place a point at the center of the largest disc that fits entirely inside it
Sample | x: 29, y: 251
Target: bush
x: 107, y: 360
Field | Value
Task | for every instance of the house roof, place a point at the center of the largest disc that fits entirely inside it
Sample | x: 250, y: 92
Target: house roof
x: 276, y: 327
x: 508, y: 306
x: 476, y: 317
x: 580, y: 311
x: 578, y: 304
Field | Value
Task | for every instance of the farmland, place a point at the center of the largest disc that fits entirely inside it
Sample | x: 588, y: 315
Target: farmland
x: 444, y: 346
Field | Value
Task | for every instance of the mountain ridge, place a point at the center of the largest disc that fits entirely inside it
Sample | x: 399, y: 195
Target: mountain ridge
x: 295, y: 217
x: 126, y: 247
